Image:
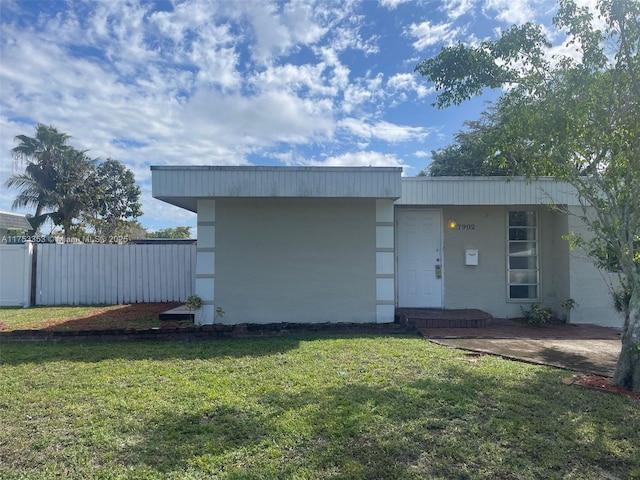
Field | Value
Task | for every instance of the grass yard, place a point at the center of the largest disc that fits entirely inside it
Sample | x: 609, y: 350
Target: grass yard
x: 303, y: 408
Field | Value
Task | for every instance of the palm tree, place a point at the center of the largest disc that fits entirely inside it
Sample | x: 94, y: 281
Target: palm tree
x: 43, y: 154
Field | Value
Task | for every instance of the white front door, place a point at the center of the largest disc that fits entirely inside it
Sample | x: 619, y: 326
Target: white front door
x: 419, y: 237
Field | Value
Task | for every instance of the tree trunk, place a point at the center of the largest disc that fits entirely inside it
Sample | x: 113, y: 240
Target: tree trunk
x: 36, y: 228
x: 627, y: 374
x: 66, y: 228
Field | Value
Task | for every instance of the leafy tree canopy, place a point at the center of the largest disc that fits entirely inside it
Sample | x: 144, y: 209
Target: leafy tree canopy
x: 177, y: 232
x: 480, y: 151
x: 115, y: 199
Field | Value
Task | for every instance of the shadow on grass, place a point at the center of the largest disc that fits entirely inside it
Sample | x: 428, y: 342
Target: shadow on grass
x: 203, y: 440
x: 91, y: 352
x: 458, y: 425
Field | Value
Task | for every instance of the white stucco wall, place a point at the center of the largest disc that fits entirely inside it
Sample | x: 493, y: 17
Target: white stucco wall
x: 298, y: 260
x: 556, y: 261
x: 485, y: 286
x: 589, y: 286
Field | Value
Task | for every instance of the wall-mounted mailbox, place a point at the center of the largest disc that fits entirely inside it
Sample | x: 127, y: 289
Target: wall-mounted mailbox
x: 471, y: 256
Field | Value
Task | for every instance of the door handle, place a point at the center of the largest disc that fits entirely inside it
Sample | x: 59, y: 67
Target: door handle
x: 438, y: 271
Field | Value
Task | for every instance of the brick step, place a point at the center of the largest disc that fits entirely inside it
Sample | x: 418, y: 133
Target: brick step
x: 436, y: 318
x: 448, y: 323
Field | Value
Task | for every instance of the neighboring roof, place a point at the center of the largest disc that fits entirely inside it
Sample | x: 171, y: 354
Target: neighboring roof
x: 13, y: 221
x: 183, y: 186
x: 485, y: 191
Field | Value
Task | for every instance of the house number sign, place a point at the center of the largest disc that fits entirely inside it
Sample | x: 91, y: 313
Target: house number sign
x: 465, y: 226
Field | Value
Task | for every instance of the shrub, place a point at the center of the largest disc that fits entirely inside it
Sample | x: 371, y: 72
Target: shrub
x: 194, y: 302
x: 568, y: 305
x: 537, y: 314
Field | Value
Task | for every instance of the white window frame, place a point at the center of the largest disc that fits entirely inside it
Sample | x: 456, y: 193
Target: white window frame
x: 536, y: 255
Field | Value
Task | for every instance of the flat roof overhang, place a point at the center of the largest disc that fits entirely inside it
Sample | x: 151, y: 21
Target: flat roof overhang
x: 434, y: 191
x: 183, y: 186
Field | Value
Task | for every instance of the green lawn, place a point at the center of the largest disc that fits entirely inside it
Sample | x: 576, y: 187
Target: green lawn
x: 305, y: 408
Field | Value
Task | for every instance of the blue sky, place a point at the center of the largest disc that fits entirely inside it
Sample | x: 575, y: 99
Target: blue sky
x: 235, y: 82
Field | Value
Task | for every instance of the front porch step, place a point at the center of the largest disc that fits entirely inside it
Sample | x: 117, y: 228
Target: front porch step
x: 437, y: 318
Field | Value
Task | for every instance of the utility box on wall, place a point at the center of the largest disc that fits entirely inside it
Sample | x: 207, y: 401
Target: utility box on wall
x: 471, y: 256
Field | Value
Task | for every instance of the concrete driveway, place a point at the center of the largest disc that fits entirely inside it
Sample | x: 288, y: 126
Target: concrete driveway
x: 588, y: 349
x: 587, y: 356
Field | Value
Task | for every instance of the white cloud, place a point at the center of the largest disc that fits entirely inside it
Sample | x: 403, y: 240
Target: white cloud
x: 325, y: 79
x: 407, y: 82
x: 272, y: 37
x: 382, y: 130
x: 305, y: 78
x: 393, y: 133
x: 118, y: 29
x: 356, y: 127
x: 184, y: 18
x: 456, y: 8
x: 340, y: 78
x: 261, y: 120
x: 513, y: 11
x: 192, y: 39
x: 348, y: 35
x: 363, y: 91
x: 360, y: 159
x: 429, y: 34
x: 392, y: 4
x: 300, y: 18
x: 280, y: 29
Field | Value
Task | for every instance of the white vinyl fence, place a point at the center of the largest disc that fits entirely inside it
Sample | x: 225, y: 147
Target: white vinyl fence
x: 15, y: 275
x: 113, y: 274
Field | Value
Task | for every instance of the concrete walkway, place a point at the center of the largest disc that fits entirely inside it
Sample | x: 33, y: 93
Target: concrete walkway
x: 588, y: 349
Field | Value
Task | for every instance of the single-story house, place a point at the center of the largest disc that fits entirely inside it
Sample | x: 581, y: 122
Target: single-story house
x: 307, y: 244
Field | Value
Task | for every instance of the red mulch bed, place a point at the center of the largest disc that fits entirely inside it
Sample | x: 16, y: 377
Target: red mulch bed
x: 601, y: 384
x: 135, y: 315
